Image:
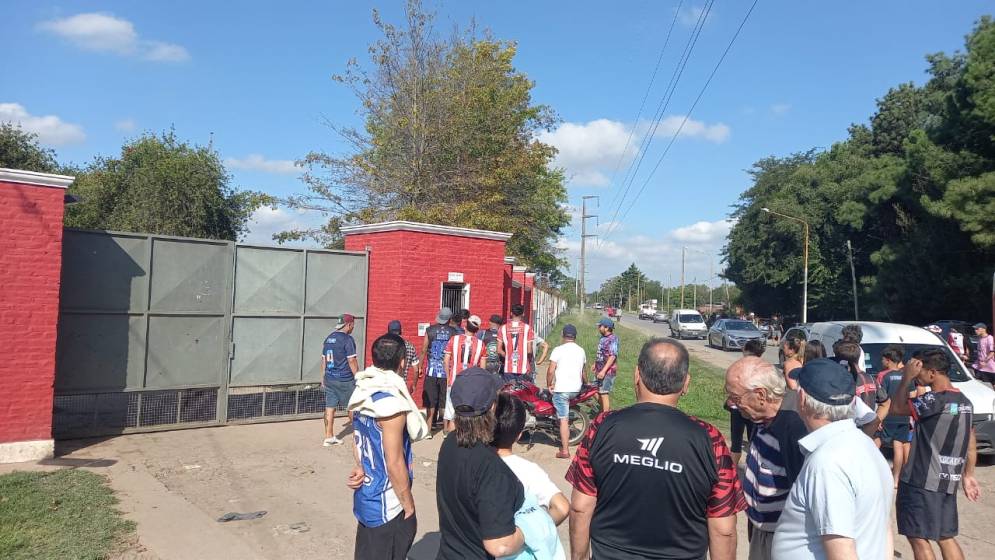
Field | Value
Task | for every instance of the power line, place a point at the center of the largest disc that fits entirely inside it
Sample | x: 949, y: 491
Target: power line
x: 687, y: 116
x: 675, y: 78
x: 646, y: 95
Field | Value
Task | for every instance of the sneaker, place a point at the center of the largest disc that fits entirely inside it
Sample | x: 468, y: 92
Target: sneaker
x: 331, y: 441
x: 561, y: 454
x: 430, y: 435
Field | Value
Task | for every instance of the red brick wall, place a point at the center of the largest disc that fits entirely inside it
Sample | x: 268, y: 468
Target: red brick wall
x: 407, y: 270
x: 30, y: 263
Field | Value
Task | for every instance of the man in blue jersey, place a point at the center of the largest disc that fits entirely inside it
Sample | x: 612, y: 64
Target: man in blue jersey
x: 382, y: 501
x: 338, y: 356
x: 433, y: 350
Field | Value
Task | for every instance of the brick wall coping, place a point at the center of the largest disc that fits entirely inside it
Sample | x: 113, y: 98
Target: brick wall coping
x: 35, y: 178
x: 425, y: 228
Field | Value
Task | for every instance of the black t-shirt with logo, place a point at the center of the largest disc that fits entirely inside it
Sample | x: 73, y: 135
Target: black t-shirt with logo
x: 658, y: 475
x: 477, y: 496
x: 939, y: 447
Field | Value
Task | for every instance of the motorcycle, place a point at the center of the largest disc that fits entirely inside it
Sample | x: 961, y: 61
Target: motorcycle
x: 541, y: 414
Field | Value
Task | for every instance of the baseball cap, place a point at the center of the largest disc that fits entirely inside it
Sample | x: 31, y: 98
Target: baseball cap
x: 474, y: 391
x: 497, y: 319
x: 569, y: 331
x: 344, y: 319
x: 444, y: 315
x: 934, y: 329
x: 827, y: 382
x: 606, y: 322
x: 980, y: 326
x: 394, y: 327
x: 474, y: 320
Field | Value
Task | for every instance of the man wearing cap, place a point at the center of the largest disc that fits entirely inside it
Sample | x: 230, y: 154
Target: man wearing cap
x: 477, y: 494
x: 984, y: 358
x: 338, y: 356
x: 516, y: 340
x: 410, y: 357
x: 433, y: 351
x: 565, y: 377
x: 489, y: 337
x: 943, y: 454
x: 606, y: 362
x: 464, y: 350
x: 840, y: 504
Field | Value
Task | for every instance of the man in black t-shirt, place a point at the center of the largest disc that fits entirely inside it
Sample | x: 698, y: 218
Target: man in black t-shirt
x: 943, y: 455
x: 476, y: 493
x: 650, y: 481
x: 495, y: 363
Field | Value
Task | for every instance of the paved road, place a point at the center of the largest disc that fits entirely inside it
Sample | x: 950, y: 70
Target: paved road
x: 701, y: 350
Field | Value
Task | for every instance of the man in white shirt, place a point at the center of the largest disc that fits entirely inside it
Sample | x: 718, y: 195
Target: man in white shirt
x: 564, y: 378
x: 840, y: 505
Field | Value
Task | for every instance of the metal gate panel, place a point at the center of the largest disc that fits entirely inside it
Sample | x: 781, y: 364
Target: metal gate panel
x: 336, y: 284
x: 100, y: 352
x: 103, y: 272
x: 266, y: 350
x: 190, y: 276
x: 184, y: 351
x: 269, y: 281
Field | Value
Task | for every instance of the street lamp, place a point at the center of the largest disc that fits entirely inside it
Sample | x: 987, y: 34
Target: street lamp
x: 805, y: 274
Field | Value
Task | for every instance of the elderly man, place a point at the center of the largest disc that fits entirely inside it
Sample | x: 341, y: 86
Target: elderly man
x: 758, y: 391
x: 840, y: 505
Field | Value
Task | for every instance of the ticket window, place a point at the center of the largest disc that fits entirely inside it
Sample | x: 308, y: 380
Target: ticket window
x: 455, y: 296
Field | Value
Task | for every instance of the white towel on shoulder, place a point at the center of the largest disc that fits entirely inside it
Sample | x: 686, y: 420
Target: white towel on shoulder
x: 375, y: 380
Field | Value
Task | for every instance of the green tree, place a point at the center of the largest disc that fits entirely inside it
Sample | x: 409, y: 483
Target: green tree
x: 448, y: 137
x: 161, y: 185
x: 19, y: 149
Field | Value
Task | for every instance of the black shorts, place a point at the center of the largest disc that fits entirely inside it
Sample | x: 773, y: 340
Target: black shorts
x: 899, y: 432
x: 390, y: 541
x: 924, y: 514
x: 434, y: 394
x: 984, y: 376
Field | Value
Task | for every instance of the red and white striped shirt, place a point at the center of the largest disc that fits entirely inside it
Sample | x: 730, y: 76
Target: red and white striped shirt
x: 518, y: 338
x: 464, y: 350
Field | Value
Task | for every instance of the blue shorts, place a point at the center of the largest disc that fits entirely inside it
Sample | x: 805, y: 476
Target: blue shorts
x: 562, y: 403
x: 606, y: 384
x: 338, y: 393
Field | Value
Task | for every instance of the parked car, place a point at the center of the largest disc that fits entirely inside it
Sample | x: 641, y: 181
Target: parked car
x: 733, y: 334
x: 660, y: 317
x: 801, y: 330
x: 685, y: 323
x: 879, y: 335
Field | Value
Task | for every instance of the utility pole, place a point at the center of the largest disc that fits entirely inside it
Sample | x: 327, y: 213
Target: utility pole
x: 583, y: 246
x: 670, y: 284
x: 580, y: 304
x: 695, y: 300
x: 684, y: 256
x: 711, y: 278
x: 853, y: 276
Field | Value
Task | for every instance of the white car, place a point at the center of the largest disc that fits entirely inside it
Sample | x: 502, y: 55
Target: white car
x: 879, y: 335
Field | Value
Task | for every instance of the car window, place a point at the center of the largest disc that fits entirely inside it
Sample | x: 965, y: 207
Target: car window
x: 872, y: 358
x: 740, y: 326
x: 719, y: 325
x: 689, y: 318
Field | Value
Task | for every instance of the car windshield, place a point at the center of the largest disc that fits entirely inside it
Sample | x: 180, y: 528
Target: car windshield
x: 691, y: 319
x: 740, y: 326
x: 872, y: 358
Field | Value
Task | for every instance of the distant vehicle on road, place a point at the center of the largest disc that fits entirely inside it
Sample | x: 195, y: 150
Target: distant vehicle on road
x: 733, y: 334
x: 613, y: 312
x: 646, y: 311
x: 685, y: 323
x: 879, y: 335
x: 660, y: 317
x: 598, y: 306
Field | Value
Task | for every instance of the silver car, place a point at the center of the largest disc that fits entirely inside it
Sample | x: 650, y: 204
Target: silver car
x: 732, y: 334
x: 660, y: 317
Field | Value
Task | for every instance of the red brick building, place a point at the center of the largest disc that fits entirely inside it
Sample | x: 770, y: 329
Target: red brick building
x: 31, y: 209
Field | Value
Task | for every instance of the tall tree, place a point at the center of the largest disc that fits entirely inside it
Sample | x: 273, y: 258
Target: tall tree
x: 449, y: 137
x: 19, y: 149
x: 161, y: 185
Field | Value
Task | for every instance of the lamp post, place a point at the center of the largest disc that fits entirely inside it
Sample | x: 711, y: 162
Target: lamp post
x: 805, y: 273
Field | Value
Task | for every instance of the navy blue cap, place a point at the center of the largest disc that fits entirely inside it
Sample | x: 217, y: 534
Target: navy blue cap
x: 394, y: 327
x: 827, y: 382
x: 606, y: 322
x: 474, y: 391
x: 569, y: 331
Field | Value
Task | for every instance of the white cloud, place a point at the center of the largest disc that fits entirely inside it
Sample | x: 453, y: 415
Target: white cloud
x: 50, y: 129
x: 256, y: 162
x: 780, y: 109
x: 100, y: 32
x: 703, y: 232
x: 267, y: 221
x: 590, y: 152
x: 125, y: 125
x: 688, y: 15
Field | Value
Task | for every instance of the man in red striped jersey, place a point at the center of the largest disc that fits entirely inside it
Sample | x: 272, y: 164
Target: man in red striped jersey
x: 516, y: 341
x: 464, y: 350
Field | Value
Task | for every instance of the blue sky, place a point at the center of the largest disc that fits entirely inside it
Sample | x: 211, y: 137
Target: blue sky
x: 89, y: 75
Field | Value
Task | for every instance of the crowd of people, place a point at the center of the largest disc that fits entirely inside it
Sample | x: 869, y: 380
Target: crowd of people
x: 648, y: 480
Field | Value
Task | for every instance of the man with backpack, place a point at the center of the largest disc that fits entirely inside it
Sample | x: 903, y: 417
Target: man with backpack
x: 489, y: 337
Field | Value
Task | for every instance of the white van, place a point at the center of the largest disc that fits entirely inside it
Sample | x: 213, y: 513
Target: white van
x: 879, y: 335
x: 687, y: 323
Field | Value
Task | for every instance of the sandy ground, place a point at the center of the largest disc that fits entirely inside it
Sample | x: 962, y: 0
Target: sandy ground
x: 176, y: 484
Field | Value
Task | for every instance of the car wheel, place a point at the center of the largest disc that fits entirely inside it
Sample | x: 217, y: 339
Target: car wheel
x: 725, y: 348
